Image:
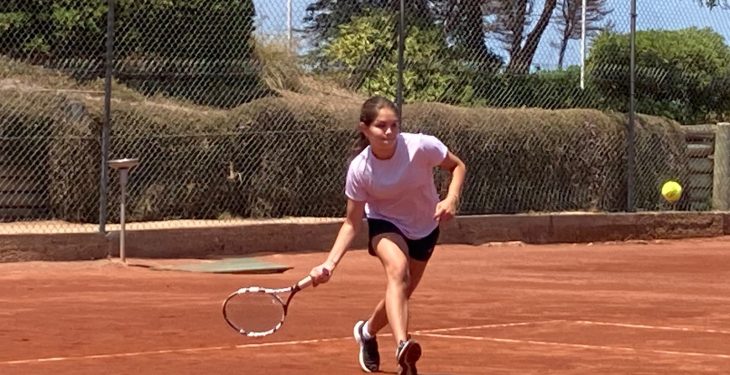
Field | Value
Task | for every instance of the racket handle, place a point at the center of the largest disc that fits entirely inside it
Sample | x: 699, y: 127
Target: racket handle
x: 304, y: 283
x: 308, y: 281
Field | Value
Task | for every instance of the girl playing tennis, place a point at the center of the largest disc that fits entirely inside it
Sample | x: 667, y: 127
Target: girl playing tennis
x: 390, y: 181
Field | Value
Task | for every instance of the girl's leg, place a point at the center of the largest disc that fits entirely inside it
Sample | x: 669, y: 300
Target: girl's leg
x: 379, y: 319
x: 391, y: 249
x: 403, y: 276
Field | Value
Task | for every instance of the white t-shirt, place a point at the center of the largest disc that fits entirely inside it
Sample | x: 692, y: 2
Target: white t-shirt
x: 400, y: 189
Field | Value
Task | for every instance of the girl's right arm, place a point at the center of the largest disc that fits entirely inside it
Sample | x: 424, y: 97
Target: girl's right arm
x: 348, y: 232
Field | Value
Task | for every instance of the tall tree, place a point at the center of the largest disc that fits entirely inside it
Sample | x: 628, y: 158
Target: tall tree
x: 463, y: 22
x: 568, y: 19
x: 714, y: 3
x: 512, y: 19
x: 324, y: 17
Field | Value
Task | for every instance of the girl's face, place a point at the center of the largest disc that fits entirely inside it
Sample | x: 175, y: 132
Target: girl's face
x: 382, y: 132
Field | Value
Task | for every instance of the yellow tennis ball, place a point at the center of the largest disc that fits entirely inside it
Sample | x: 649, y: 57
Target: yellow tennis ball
x: 672, y: 191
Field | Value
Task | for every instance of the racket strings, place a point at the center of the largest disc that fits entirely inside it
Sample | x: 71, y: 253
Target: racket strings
x: 254, y: 312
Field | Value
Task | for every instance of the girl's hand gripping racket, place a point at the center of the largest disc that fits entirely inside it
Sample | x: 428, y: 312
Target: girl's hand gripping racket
x: 256, y: 311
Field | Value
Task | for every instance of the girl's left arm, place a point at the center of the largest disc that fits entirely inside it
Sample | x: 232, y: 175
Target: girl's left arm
x: 446, y: 209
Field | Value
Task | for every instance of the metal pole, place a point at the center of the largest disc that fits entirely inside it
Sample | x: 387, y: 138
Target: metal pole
x: 631, y: 134
x: 583, y: 45
x: 123, y: 177
x: 401, y: 50
x: 109, y: 65
x: 123, y: 166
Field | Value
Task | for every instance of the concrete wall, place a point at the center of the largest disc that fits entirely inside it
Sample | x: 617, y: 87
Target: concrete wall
x: 311, y: 236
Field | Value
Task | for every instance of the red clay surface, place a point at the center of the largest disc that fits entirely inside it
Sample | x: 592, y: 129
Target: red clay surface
x: 622, y: 308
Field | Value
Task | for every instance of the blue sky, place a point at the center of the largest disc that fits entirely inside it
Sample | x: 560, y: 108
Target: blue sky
x: 652, y: 14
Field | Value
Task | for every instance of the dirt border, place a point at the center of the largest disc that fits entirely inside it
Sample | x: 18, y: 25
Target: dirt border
x: 312, y: 235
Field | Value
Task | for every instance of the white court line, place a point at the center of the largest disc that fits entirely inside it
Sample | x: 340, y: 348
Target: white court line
x: 427, y: 332
x: 245, y: 346
x: 659, y: 328
x: 496, y: 325
x: 578, y: 346
x: 170, y: 351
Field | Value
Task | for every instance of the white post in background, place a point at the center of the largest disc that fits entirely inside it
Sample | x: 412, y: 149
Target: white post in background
x: 289, y: 28
x: 583, y: 45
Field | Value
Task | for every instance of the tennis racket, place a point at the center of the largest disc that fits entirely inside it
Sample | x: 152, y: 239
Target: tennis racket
x: 256, y: 311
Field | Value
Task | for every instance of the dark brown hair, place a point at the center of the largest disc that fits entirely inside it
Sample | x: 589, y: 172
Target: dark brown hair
x: 368, y: 114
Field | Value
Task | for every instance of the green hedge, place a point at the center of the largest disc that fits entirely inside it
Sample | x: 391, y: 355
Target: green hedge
x: 287, y: 157
x: 196, y: 50
x: 54, y: 138
x: 557, y: 89
x: 525, y: 160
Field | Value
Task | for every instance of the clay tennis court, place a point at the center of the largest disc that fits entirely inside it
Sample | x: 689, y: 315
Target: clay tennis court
x: 660, y: 307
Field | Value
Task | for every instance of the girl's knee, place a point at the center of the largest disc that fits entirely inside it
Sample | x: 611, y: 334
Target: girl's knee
x: 400, y: 274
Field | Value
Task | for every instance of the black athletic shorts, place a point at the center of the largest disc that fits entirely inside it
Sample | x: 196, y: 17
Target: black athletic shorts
x: 420, y: 249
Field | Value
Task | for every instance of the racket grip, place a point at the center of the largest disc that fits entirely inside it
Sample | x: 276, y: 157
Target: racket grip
x: 308, y: 281
x: 304, y: 283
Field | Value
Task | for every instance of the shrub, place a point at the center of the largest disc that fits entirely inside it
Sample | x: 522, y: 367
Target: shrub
x: 679, y: 73
x: 523, y: 160
x: 198, y: 50
x: 279, y: 157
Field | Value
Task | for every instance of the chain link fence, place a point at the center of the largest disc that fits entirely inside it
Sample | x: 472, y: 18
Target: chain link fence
x: 246, y: 109
x: 691, y: 84
x: 50, y: 59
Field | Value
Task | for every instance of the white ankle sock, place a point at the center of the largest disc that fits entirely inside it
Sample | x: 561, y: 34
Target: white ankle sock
x: 366, y: 331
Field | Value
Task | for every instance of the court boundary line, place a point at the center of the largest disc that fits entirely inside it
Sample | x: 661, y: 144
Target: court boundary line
x: 658, y: 328
x: 246, y: 346
x: 578, y: 346
x: 435, y: 332
x: 171, y: 351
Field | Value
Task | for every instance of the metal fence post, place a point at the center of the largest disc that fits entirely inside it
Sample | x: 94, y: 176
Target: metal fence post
x: 109, y: 65
x: 631, y: 134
